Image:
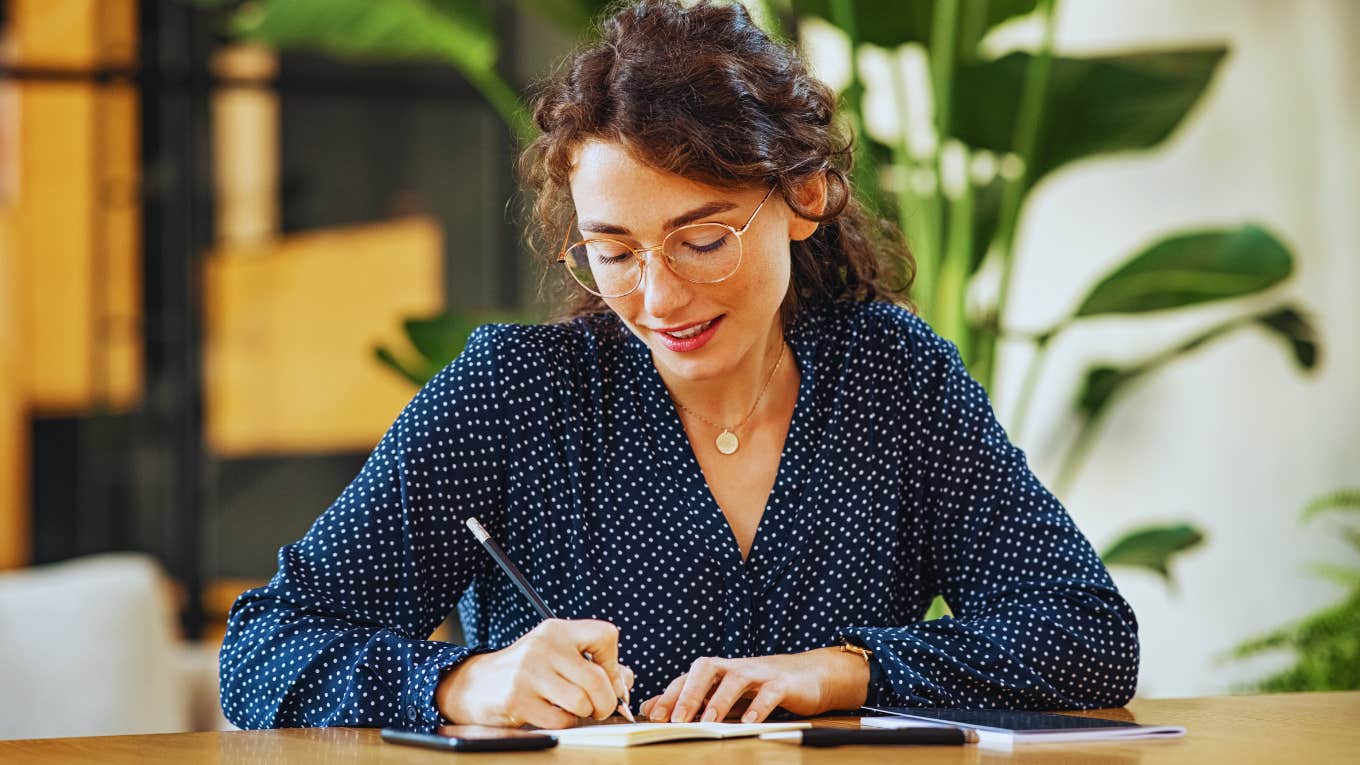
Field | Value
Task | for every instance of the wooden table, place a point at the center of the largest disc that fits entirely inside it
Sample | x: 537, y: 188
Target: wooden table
x: 1295, y: 729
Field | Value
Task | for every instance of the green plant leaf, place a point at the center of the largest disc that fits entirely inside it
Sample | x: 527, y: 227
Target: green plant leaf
x: 455, y: 31
x: 387, y: 358
x: 1103, y: 383
x: 1345, y: 499
x: 441, y: 338
x: 1294, y: 328
x: 1100, y: 387
x: 438, y: 340
x: 1192, y: 268
x: 1153, y: 547
x: 570, y: 16
x: 1098, y: 105
x: 1327, y: 649
x: 1342, y: 575
x: 938, y: 608
x: 890, y: 23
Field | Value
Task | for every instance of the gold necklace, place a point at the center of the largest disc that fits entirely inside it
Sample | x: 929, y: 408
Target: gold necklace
x: 726, y: 441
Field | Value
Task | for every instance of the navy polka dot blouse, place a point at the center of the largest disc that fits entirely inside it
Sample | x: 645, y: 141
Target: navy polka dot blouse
x: 896, y: 484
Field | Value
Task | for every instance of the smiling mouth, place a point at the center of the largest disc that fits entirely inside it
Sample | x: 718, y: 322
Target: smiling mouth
x: 693, y: 331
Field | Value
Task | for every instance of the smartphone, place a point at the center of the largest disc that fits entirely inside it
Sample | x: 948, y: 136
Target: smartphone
x: 469, y: 738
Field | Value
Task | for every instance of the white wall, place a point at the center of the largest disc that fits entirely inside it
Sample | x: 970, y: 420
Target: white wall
x: 1234, y: 438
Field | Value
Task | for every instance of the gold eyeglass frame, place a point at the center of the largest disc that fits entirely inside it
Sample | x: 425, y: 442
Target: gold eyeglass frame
x: 643, y: 254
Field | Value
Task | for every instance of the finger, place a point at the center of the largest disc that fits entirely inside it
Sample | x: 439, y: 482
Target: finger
x: 565, y: 694
x: 541, y: 713
x: 628, y: 678
x: 600, y: 639
x: 767, y: 698
x: 701, y: 676
x: 661, y: 711
x: 647, y: 705
x: 729, y: 690
x: 591, y: 679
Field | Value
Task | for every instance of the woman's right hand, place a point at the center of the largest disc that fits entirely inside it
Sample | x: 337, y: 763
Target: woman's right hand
x: 541, y: 679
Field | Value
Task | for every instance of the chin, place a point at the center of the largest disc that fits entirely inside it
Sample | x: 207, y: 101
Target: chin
x: 690, y: 366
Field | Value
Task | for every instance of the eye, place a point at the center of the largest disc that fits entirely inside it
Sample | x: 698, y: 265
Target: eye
x: 606, y: 252
x: 705, y: 242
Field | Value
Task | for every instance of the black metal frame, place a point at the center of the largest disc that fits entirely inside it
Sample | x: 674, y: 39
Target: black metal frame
x: 177, y: 218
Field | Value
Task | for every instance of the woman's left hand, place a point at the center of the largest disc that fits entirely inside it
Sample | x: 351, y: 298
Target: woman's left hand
x: 805, y: 683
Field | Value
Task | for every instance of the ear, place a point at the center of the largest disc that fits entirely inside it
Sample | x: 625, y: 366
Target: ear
x: 811, y: 196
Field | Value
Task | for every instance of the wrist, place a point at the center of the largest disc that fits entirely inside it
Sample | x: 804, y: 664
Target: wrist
x: 845, y: 682
x: 451, y: 693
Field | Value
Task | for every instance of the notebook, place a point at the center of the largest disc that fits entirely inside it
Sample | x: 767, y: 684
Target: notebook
x: 1004, y: 728
x: 637, y: 734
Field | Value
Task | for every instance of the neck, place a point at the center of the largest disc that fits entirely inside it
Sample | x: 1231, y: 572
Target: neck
x: 727, y: 399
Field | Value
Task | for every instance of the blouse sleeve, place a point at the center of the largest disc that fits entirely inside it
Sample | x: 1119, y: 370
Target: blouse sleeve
x: 337, y: 636
x: 1038, y: 623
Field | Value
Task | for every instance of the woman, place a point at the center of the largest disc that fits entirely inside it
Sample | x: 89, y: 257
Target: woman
x: 739, y: 470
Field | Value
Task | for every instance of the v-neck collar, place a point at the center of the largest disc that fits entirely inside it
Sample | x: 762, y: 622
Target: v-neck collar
x: 697, y: 511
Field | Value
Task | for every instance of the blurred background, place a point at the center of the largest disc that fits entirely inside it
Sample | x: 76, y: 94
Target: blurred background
x: 235, y: 237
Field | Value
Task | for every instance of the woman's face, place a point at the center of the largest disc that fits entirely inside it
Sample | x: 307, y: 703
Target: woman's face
x: 620, y: 198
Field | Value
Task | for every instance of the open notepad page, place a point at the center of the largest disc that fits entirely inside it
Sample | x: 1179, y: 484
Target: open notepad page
x: 1004, y: 728
x: 636, y: 734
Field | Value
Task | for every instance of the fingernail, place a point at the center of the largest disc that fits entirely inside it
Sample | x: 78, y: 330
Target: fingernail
x: 659, y: 714
x: 681, y: 714
x: 710, y: 716
x: 749, y: 717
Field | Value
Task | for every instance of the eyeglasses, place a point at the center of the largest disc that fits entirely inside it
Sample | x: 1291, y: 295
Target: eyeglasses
x: 700, y: 253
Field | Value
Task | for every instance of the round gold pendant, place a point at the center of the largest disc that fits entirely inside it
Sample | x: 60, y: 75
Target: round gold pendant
x: 727, y: 442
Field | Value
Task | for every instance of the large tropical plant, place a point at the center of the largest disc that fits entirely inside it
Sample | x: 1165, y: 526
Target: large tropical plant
x: 1023, y: 117
x: 1325, y: 645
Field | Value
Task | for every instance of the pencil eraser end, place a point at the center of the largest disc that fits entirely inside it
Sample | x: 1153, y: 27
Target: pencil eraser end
x: 477, y: 530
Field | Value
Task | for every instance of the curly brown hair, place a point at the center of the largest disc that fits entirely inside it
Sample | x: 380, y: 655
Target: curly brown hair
x: 704, y: 93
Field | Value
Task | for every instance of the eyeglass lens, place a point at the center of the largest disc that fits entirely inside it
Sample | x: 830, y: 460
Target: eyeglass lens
x: 702, y: 253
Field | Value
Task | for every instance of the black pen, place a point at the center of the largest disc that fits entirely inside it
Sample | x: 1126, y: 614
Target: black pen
x: 512, y: 571
x: 874, y: 736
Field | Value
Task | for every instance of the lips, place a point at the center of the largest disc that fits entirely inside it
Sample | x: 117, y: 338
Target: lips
x: 684, y: 338
x: 690, y: 331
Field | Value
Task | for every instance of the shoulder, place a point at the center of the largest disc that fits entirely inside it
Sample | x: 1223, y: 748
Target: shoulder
x: 525, y: 364
x: 880, y: 332
x: 513, y: 350
x: 510, y: 374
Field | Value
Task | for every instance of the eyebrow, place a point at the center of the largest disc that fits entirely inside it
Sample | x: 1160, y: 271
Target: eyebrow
x: 698, y: 213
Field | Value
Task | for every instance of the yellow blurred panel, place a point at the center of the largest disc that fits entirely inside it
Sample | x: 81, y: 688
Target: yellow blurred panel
x: 13, y: 417
x: 54, y: 33
x: 117, y: 356
x: 291, y: 327
x: 55, y: 239
x: 78, y: 234
x: 74, y: 33
x: 116, y: 33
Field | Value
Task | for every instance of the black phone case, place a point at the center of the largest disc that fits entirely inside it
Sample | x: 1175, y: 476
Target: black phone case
x: 448, y: 743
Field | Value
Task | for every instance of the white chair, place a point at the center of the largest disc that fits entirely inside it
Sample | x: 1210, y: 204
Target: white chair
x: 90, y: 647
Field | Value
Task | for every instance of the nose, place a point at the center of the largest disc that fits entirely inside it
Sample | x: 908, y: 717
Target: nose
x: 663, y: 293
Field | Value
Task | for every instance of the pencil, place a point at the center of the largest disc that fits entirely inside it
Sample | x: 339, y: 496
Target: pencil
x: 512, y: 571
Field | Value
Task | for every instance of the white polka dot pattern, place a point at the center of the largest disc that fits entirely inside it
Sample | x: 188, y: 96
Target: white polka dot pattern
x: 896, y: 484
